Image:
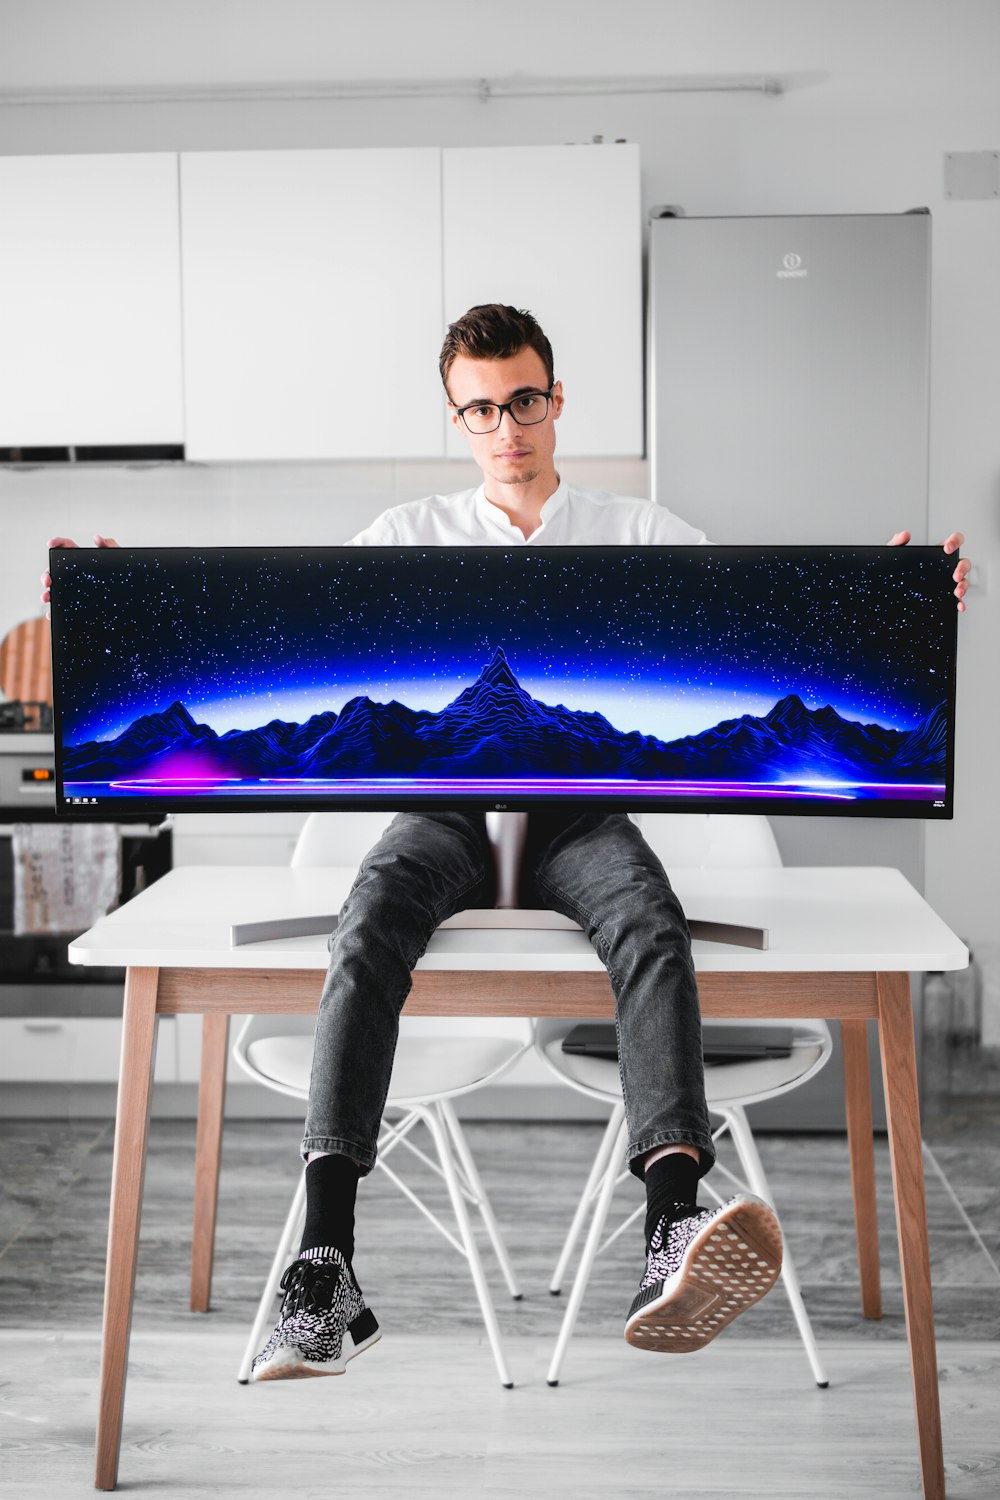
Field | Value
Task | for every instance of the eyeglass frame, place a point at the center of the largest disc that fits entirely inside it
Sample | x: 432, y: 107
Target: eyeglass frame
x: 505, y: 406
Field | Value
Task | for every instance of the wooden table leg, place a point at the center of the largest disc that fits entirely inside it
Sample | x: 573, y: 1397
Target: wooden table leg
x: 899, y: 1075
x: 208, y: 1149
x: 135, y: 1087
x: 860, y: 1140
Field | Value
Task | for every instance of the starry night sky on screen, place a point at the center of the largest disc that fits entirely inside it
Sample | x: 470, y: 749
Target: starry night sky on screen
x: 664, y: 640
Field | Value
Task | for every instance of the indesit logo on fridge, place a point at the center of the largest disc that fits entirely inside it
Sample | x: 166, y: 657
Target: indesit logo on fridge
x: 791, y: 267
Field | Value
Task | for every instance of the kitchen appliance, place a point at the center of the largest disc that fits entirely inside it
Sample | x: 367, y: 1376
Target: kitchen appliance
x: 26, y: 717
x: 788, y: 378
x: 36, y: 978
x: 27, y: 764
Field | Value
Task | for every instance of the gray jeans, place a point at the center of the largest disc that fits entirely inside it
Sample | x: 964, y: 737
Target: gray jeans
x: 596, y: 868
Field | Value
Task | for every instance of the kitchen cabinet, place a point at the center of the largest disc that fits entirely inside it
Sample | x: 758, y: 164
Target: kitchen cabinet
x: 316, y: 288
x: 76, y: 1049
x: 317, y: 285
x: 90, y: 301
x: 557, y: 229
x: 312, y: 304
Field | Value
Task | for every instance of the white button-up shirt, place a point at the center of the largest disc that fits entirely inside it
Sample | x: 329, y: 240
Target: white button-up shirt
x: 571, y: 517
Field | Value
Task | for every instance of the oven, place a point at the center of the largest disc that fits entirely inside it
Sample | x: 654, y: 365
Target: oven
x: 36, y: 977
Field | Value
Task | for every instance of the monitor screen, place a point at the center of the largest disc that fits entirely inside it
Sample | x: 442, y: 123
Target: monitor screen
x: 735, y: 679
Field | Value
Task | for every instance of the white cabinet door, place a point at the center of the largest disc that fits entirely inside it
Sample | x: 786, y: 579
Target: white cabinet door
x: 312, y: 304
x: 90, y: 337
x: 78, y: 1049
x: 557, y: 230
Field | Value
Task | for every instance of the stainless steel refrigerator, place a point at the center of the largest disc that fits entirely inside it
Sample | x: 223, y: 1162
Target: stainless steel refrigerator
x: 787, y: 386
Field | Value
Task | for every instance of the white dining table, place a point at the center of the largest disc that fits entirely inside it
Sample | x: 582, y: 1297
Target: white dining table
x: 842, y: 943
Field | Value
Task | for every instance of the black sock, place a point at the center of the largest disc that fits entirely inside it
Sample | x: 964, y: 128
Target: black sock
x: 331, y: 1190
x: 671, y: 1189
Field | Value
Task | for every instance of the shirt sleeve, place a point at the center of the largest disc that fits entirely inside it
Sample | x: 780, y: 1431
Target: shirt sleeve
x: 381, y: 533
x: 665, y: 529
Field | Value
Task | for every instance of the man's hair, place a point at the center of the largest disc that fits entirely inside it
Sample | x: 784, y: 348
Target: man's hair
x: 494, y: 331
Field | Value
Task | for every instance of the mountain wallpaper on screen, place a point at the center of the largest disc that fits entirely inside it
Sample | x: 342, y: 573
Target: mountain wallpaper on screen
x: 494, y: 728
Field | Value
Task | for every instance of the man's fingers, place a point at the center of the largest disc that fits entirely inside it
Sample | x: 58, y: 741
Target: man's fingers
x: 900, y: 539
x: 961, y: 573
x: 67, y: 541
x: 953, y: 542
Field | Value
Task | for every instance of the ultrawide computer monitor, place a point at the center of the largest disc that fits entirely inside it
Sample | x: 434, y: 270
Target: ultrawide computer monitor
x: 721, y: 679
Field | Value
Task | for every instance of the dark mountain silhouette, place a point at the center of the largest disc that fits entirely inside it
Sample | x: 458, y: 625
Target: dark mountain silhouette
x: 495, y: 728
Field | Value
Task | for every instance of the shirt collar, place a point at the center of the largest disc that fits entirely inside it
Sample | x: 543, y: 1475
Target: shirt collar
x: 555, y: 503
x: 497, y: 520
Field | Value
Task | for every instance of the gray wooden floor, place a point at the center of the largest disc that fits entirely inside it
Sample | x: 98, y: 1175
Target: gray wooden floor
x: 55, y: 1178
x: 422, y: 1413
x: 425, y: 1417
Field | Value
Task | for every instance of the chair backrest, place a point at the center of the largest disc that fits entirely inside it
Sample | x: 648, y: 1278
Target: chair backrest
x: 680, y: 839
x: 338, y: 838
x: 710, y: 840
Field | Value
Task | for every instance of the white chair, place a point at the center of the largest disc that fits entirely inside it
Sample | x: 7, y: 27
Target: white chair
x: 436, y: 1061
x: 685, y: 840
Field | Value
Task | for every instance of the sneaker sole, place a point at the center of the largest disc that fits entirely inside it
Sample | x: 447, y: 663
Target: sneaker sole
x: 289, y: 1364
x: 729, y: 1266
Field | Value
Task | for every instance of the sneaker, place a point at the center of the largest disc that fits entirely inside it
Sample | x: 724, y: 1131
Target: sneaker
x: 324, y: 1321
x: 702, y: 1272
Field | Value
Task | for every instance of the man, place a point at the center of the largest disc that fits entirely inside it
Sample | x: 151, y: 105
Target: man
x: 497, y: 369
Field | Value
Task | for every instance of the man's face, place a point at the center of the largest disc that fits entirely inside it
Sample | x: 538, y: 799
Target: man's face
x: 510, y: 454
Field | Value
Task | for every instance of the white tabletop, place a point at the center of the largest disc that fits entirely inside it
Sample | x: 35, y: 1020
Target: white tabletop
x: 826, y: 919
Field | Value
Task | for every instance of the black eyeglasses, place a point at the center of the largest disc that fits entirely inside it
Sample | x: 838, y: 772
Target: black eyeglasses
x: 527, y: 409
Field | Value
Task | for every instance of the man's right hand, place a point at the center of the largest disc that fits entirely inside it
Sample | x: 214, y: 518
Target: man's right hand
x: 67, y: 541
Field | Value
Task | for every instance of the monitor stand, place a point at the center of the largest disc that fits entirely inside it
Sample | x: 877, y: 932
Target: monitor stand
x: 507, y: 833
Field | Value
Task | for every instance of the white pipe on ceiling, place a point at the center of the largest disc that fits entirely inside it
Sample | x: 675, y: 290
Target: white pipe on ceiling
x: 483, y: 89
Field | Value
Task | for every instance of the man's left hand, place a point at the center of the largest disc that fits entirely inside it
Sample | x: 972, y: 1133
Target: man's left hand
x: 950, y: 544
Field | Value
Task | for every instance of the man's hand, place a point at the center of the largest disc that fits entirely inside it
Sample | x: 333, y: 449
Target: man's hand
x: 950, y: 544
x: 67, y: 541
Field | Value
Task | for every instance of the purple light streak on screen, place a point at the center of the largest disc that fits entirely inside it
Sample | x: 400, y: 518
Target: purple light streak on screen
x: 385, y: 789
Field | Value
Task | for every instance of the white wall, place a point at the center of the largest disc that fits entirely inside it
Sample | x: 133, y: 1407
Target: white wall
x: 878, y: 91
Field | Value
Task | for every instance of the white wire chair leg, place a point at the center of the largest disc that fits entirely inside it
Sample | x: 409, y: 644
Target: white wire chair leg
x: 746, y: 1149
x: 441, y: 1141
x: 586, y: 1198
x: 597, y: 1223
x: 471, y: 1171
x: 287, y: 1243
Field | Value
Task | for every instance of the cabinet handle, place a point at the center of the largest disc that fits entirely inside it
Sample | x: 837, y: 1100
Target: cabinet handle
x: 43, y: 1026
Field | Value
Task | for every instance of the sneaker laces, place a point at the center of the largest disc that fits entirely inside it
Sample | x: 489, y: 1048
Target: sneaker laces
x: 309, y: 1286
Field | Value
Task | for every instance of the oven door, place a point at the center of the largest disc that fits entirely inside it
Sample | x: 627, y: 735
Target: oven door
x: 36, y: 976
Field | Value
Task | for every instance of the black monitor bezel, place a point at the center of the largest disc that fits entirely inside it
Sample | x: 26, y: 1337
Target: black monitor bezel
x: 126, y: 810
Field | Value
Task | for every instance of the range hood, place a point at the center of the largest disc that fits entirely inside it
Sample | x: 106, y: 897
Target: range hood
x: 137, y: 455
